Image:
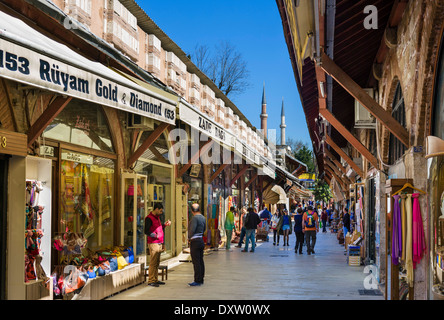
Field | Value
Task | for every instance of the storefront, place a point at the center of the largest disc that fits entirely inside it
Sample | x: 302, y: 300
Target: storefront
x: 435, y: 165
x: 69, y: 190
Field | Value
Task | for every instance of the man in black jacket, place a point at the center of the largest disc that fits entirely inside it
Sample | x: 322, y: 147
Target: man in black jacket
x: 251, y: 222
x: 346, y: 222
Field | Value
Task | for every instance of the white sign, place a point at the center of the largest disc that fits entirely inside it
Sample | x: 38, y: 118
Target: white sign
x: 27, y: 66
x: 205, y: 125
x: 77, y: 157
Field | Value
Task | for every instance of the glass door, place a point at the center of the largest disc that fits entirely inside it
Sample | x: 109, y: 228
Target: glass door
x: 140, y: 214
x: 134, y: 193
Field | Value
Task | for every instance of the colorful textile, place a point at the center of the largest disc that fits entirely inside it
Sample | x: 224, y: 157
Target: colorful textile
x: 396, y: 231
x: 418, y: 237
x: 409, y: 247
x: 404, y: 226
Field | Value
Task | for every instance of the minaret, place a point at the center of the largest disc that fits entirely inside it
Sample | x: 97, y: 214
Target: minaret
x: 283, y: 125
x: 264, y: 114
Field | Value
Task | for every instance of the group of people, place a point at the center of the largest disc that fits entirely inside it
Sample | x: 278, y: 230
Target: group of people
x: 154, y: 230
x: 306, y: 226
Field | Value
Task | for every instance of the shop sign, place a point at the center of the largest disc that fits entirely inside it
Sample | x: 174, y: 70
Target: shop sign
x: 30, y: 67
x: 13, y: 143
x: 205, y: 125
x: 47, y: 151
x: 77, y: 157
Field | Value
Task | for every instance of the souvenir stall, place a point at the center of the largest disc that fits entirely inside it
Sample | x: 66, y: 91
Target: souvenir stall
x: 406, y: 244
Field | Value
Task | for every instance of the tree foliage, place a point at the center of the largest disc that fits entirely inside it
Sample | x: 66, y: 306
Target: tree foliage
x: 322, y: 191
x: 302, y: 152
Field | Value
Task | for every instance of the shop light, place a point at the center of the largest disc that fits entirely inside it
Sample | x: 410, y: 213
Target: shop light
x: 434, y: 147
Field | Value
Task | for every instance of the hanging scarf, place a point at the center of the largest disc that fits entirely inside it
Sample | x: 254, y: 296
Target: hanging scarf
x: 404, y: 226
x: 419, y: 245
x: 396, y: 231
x: 409, y: 247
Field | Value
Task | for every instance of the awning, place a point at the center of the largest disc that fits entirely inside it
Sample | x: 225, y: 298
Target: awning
x: 29, y: 57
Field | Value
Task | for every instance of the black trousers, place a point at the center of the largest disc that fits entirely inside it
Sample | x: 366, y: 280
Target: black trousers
x: 299, y: 240
x: 196, y: 251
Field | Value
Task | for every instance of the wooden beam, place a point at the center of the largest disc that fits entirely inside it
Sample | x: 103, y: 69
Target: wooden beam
x: 47, y: 117
x: 253, y: 178
x: 147, y: 143
x: 343, y: 185
x: 337, y: 171
x: 328, y: 154
x: 344, y: 155
x: 368, y: 102
x: 239, y: 174
x: 158, y: 155
x: 204, y: 148
x: 218, y: 171
x: 349, y: 136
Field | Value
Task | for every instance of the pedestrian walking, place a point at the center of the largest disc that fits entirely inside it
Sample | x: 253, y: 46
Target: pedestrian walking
x: 154, y: 230
x: 229, y: 227
x: 324, y: 218
x: 284, y: 227
x: 274, y: 222
x: 310, y: 228
x: 265, y: 216
x: 298, y: 230
x: 251, y: 222
x: 243, y: 229
x: 346, y: 221
x: 195, y: 235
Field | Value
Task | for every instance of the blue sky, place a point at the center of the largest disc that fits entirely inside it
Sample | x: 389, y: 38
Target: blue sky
x: 254, y: 27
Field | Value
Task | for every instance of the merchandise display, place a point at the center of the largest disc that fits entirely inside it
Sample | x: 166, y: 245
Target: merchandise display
x: 33, y: 232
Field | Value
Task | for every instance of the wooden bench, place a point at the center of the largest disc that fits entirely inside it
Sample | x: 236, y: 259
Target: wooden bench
x: 163, y: 272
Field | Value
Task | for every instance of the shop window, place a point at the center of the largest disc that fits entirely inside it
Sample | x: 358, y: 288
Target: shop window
x: 87, y: 202
x: 396, y: 148
x: 81, y: 123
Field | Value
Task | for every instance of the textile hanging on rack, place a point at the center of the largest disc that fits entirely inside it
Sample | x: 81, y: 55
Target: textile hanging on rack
x: 404, y: 226
x: 418, y: 238
x: 396, y: 231
x: 409, y: 246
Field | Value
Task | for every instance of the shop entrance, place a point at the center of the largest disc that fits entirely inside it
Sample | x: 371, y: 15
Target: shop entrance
x: 134, y: 205
x: 3, y: 221
x: 371, y: 256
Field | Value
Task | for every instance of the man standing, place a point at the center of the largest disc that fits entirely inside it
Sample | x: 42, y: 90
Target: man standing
x: 311, y: 227
x: 155, y: 237
x: 251, y: 221
x: 195, y: 233
x: 229, y: 227
x: 346, y: 222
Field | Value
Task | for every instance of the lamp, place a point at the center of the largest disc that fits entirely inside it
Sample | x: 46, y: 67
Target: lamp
x: 434, y: 147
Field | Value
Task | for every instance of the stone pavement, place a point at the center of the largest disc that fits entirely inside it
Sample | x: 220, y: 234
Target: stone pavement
x: 270, y: 273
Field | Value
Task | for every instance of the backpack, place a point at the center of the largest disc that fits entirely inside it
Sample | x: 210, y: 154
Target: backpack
x: 310, y: 222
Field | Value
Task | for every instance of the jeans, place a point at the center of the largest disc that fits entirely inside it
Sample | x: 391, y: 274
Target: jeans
x: 324, y: 225
x: 196, y: 251
x: 242, y: 236
x: 250, y: 234
x: 299, y: 241
x: 275, y: 234
x: 310, y: 240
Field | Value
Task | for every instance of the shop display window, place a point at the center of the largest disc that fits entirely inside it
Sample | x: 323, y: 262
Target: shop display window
x: 436, y: 194
x: 87, y: 202
x: 81, y: 123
